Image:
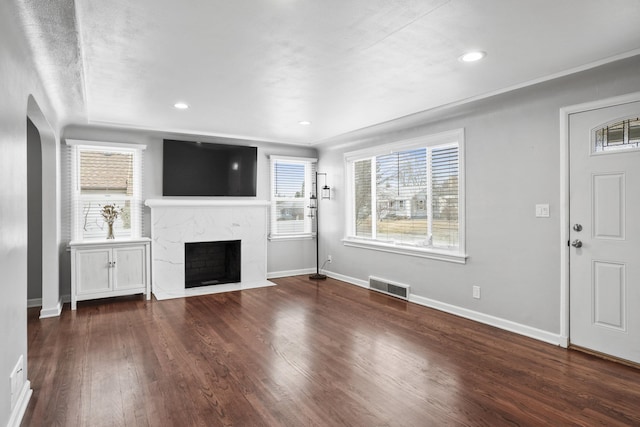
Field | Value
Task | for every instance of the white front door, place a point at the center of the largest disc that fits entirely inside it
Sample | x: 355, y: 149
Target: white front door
x: 604, y: 216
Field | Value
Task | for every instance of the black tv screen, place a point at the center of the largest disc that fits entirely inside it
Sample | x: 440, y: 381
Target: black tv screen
x: 208, y: 169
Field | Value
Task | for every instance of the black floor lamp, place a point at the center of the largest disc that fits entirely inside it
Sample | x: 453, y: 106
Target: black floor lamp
x: 315, y: 207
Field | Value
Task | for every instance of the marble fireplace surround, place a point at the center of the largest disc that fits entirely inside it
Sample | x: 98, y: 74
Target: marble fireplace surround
x: 175, y: 222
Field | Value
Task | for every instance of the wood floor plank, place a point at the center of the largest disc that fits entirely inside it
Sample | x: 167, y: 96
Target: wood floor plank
x: 307, y: 353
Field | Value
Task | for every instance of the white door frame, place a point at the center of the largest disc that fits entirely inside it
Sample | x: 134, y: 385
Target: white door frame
x: 564, y: 199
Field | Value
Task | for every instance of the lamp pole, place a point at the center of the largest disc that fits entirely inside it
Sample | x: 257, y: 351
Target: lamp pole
x: 317, y: 275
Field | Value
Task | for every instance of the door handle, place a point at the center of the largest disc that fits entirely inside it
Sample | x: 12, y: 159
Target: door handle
x: 576, y: 243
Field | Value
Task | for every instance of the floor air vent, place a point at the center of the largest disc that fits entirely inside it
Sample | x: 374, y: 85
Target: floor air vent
x: 391, y: 288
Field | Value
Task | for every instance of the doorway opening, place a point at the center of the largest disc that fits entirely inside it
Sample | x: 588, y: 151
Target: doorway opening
x: 45, y: 246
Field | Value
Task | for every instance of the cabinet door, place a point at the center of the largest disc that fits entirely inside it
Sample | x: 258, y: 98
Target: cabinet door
x: 129, y: 267
x: 93, y: 271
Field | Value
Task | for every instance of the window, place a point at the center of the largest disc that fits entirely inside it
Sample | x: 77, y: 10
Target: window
x: 620, y: 135
x: 291, y: 186
x: 105, y: 174
x: 408, y: 197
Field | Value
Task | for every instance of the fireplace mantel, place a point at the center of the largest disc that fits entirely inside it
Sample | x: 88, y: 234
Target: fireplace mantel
x: 176, y: 221
x: 187, y: 202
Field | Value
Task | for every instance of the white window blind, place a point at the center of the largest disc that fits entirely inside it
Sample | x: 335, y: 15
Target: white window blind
x: 105, y: 175
x: 408, y: 195
x: 291, y: 186
x: 445, y: 196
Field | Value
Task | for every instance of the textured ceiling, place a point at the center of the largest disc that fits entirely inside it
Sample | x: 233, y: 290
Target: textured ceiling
x: 254, y: 69
x: 50, y: 29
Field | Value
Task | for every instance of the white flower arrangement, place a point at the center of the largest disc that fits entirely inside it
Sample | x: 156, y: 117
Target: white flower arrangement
x: 110, y: 213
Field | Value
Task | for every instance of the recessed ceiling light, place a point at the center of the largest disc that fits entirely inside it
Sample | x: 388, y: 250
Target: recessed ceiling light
x: 473, y: 56
x: 181, y: 105
x: 304, y: 123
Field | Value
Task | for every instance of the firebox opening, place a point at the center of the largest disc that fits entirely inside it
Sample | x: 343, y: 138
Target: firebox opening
x: 211, y: 263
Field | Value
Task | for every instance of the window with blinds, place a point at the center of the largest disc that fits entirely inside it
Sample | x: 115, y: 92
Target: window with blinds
x: 105, y: 175
x: 408, y: 195
x: 291, y: 187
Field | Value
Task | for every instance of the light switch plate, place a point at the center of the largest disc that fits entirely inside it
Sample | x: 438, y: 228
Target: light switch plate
x: 542, y: 211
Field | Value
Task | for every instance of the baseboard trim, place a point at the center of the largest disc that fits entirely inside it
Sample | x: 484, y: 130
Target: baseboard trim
x: 348, y: 279
x: 34, y: 302
x: 51, y: 312
x: 287, y: 273
x: 21, y: 405
x: 507, y: 325
x: 487, y: 319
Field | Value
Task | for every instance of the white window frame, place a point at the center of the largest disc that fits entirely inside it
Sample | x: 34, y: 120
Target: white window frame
x: 308, y: 163
x: 76, y: 198
x: 450, y: 137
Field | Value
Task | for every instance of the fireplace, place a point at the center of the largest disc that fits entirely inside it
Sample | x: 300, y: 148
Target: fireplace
x: 175, y: 222
x: 211, y: 263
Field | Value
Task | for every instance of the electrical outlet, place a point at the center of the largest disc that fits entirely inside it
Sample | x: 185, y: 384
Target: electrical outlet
x: 330, y: 259
x: 476, y: 292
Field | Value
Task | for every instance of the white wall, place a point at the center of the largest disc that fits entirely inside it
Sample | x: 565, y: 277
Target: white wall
x: 282, y: 256
x: 513, y: 163
x: 18, y: 81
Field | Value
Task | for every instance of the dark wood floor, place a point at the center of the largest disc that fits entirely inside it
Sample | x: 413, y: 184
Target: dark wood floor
x: 307, y: 353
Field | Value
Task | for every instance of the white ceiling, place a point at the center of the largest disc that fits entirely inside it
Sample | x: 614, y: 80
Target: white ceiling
x: 255, y: 68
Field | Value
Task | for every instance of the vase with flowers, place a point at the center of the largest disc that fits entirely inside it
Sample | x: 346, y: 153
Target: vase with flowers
x: 110, y: 214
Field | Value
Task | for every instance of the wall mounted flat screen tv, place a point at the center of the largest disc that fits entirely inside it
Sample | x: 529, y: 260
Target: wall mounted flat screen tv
x: 208, y: 169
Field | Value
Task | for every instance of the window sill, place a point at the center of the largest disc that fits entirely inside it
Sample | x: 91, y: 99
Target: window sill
x: 285, y: 237
x: 436, y: 254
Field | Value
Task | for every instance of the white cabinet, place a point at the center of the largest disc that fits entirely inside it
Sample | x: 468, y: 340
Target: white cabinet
x: 109, y: 268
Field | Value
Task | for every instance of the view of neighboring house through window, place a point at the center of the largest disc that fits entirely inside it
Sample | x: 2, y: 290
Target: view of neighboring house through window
x: 291, y: 185
x: 106, y: 175
x: 408, y: 195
